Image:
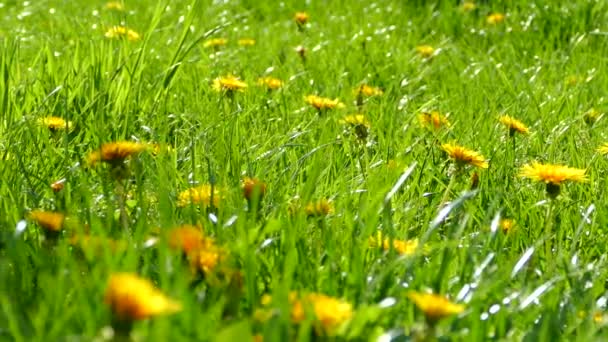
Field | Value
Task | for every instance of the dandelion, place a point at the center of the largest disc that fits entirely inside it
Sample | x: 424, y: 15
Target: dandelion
x: 359, y: 123
x: 270, y: 83
x: 246, y: 42
x: 203, y: 195
x: 301, y: 18
x: 369, y: 91
x: 323, y: 103
x: 228, y: 84
x: 188, y: 238
x: 132, y: 298
x: 51, y: 221
x: 463, y: 156
x: 514, y: 125
x: 552, y: 175
x: 468, y: 6
x: 603, y: 149
x: 253, y: 188
x: 495, y: 18
x: 115, y: 6
x: 434, y: 120
x: 507, y: 225
x: 215, y: 43
x: 435, y: 307
x: 322, y: 207
x: 54, y: 123
x: 402, y: 247
x: 116, y: 152
x: 329, y: 312
x: 206, y: 259
x: 118, y: 32
x: 425, y: 51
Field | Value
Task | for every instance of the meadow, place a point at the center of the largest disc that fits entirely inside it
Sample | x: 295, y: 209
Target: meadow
x: 303, y: 171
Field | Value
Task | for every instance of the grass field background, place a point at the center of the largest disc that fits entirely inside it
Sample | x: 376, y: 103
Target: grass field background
x: 545, y: 64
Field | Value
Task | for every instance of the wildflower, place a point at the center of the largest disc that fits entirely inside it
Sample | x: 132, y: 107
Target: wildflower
x: 187, y: 238
x: 463, y: 156
x: 495, y: 18
x: 215, y: 42
x: 434, y: 120
x: 368, y: 91
x: 228, y: 84
x: 115, y: 152
x: 552, y: 175
x: 359, y: 123
x: 403, y: 247
x: 131, y: 298
x: 117, y: 32
x: 50, y: 221
x: 246, y: 42
x: 329, y: 312
x: 592, y: 116
x: 301, y: 18
x: 603, y: 149
x: 270, y: 82
x: 322, y: 103
x: 507, y: 225
x: 55, y: 123
x: 253, y: 188
x: 58, y: 185
x: 320, y: 208
x: 206, y: 259
x: 434, y: 307
x: 468, y: 6
x: 202, y: 195
x: 514, y: 125
x: 425, y: 51
x: 115, y: 6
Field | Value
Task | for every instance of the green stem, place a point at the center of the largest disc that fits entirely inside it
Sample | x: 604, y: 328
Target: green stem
x: 549, y: 232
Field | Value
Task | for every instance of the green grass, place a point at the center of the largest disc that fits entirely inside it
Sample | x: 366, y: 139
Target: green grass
x: 56, y: 61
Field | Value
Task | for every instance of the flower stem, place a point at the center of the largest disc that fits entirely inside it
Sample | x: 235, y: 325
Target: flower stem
x: 548, y: 231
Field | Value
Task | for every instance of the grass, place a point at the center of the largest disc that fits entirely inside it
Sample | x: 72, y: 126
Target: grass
x: 545, y: 65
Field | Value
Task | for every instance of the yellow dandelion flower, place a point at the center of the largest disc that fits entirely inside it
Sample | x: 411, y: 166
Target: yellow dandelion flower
x: 322, y: 103
x: 188, y: 238
x: 228, y: 84
x: 253, y: 188
x: 115, y: 6
x: 206, y: 259
x: 270, y: 82
x: 433, y: 120
x: 55, y: 123
x: 131, y: 298
x: 50, y: 221
x: 598, y: 317
x: 301, y: 18
x: 603, y: 149
x: 322, y: 207
x: 201, y: 195
x: 215, y: 42
x: 118, y: 32
x: 514, y: 125
x: 359, y: 123
x: 246, y: 42
x: 329, y: 312
x: 507, y: 225
x: 425, y: 51
x: 495, y: 18
x: 552, y: 175
x: 402, y: 247
x: 369, y: 91
x: 116, y: 152
x: 463, y: 156
x: 468, y: 6
x: 434, y: 307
